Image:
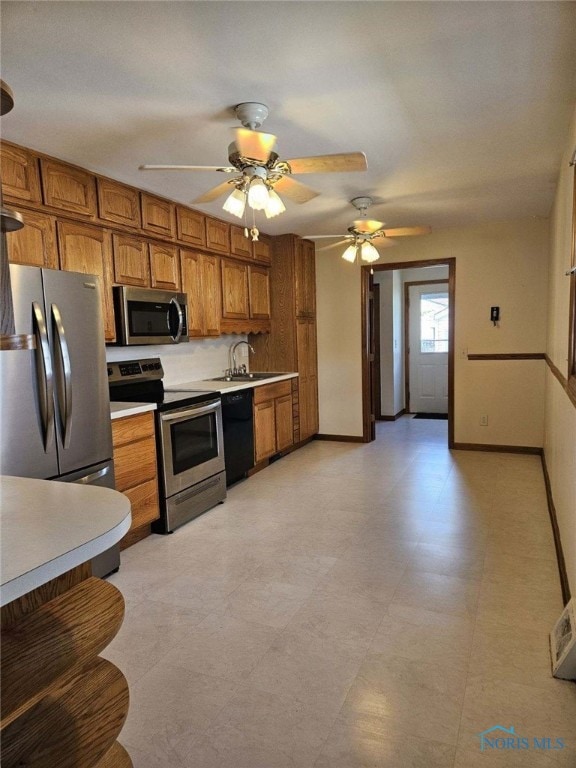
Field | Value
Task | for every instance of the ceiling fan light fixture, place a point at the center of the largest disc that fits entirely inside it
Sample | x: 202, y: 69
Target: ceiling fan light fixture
x: 368, y: 252
x: 235, y: 203
x: 258, y: 196
x: 275, y: 206
x: 350, y: 253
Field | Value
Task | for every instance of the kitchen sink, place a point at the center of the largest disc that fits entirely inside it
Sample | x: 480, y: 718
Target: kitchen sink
x: 247, y: 376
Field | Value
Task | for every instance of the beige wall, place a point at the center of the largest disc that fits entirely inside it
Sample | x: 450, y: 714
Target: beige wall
x: 501, y: 263
x: 560, y: 425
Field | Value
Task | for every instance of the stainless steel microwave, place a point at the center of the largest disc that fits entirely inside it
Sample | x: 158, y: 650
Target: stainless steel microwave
x: 149, y: 316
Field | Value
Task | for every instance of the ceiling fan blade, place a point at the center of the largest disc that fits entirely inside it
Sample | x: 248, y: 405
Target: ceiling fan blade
x: 403, y: 231
x: 186, y: 168
x: 368, y: 226
x: 384, y: 242
x: 254, y: 144
x: 340, y: 243
x: 294, y: 190
x: 215, y: 192
x: 347, y: 161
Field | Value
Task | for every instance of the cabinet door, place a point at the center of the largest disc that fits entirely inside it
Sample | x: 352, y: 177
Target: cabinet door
x: 262, y: 249
x: 158, y: 215
x: 20, y: 175
x: 131, y: 263
x: 312, y: 364
x: 240, y: 245
x: 118, y: 203
x: 164, y: 267
x: 234, y: 289
x: 264, y: 431
x: 284, y: 422
x: 68, y: 188
x: 305, y: 278
x: 190, y: 226
x: 191, y: 267
x: 217, y: 235
x: 35, y: 243
x: 88, y: 249
x: 259, y: 293
x: 212, y: 294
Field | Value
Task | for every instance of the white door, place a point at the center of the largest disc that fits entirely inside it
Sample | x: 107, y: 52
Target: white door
x: 428, y: 322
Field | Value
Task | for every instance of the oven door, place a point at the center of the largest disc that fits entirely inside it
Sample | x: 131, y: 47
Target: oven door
x: 192, y: 445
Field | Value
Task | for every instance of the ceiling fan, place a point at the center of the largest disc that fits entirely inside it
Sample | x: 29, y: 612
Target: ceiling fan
x: 260, y: 174
x: 365, y: 233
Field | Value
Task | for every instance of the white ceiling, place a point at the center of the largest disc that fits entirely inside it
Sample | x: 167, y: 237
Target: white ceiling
x: 462, y: 108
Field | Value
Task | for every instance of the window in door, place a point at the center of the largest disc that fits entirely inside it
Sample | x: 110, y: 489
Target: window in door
x: 434, y: 322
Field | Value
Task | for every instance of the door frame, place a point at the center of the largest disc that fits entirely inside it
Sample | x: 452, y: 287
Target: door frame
x: 368, y: 416
x: 407, y: 286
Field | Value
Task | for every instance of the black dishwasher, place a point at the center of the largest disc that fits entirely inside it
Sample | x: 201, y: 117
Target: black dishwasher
x: 238, y: 434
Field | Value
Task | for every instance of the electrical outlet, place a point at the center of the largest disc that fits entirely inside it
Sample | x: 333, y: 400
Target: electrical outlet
x: 483, y: 421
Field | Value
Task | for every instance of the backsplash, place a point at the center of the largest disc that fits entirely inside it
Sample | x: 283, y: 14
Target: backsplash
x: 198, y: 359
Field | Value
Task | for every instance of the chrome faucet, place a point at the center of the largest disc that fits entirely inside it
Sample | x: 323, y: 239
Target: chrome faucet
x: 232, y: 357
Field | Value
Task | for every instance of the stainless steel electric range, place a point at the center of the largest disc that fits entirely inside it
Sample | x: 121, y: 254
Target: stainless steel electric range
x: 189, y: 440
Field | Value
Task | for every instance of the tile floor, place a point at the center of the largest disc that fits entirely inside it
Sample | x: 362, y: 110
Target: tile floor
x: 352, y: 606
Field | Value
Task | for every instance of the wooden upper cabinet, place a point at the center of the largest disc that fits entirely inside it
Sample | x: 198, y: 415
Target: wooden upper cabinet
x: 158, y: 215
x: 259, y: 292
x: 131, y: 262
x: 217, y: 235
x: 240, y: 245
x: 164, y: 267
x: 305, y: 273
x: 118, y: 203
x: 20, y: 175
x: 262, y: 249
x: 35, y: 243
x: 88, y: 249
x: 235, y: 303
x: 68, y: 188
x: 201, y: 283
x: 191, y: 226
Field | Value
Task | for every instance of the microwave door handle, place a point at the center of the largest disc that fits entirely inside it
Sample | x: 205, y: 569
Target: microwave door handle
x: 66, y: 373
x: 45, y: 376
x: 174, y: 304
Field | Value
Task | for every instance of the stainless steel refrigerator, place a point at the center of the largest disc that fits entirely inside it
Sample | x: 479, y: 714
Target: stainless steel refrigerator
x: 55, y: 407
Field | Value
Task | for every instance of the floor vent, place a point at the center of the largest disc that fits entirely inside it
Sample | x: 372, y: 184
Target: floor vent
x: 563, y: 644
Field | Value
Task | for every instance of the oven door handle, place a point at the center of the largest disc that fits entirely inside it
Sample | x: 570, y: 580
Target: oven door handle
x: 174, y: 304
x: 176, y: 416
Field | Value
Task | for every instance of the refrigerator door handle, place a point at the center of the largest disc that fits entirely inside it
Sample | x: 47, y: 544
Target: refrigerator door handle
x: 88, y: 479
x: 65, y: 393
x: 174, y: 304
x: 45, y: 376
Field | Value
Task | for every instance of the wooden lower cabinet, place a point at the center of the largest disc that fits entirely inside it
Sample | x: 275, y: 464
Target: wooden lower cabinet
x: 63, y: 705
x: 136, y: 472
x: 273, y: 419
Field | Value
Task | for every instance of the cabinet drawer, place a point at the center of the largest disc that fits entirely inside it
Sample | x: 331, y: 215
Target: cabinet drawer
x: 271, y: 391
x: 134, y: 463
x: 144, y: 501
x: 132, y: 428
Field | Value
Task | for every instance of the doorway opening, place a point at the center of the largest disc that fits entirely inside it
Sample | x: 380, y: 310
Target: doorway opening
x: 417, y: 374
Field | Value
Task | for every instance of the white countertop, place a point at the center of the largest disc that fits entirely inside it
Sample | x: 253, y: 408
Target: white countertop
x: 49, y: 527
x: 232, y: 386
x: 120, y: 410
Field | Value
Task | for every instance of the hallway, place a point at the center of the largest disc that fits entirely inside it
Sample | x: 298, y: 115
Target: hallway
x: 351, y: 606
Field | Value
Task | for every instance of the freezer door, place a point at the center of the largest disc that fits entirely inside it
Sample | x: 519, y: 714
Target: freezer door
x: 76, y: 331
x: 28, y: 448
